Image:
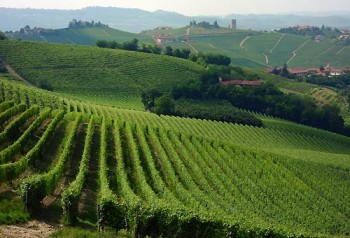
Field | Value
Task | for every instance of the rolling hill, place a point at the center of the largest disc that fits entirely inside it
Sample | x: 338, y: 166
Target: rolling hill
x: 268, y: 49
x: 158, y: 176
x: 98, y: 74
x: 68, y: 152
x: 81, y: 36
x: 247, y: 48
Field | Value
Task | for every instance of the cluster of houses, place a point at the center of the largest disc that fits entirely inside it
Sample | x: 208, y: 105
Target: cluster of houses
x: 301, y: 72
x: 163, y: 39
x: 345, y: 34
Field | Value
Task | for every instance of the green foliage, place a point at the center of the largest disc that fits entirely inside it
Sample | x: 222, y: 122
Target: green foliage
x: 312, y: 31
x: 11, y: 128
x: 164, y: 105
x: 12, y: 210
x: 2, y: 36
x: 36, y: 187
x: 7, y: 154
x: 78, y: 24
x: 101, y: 72
x: 183, y: 177
x: 11, y: 171
x: 71, y: 195
x: 214, y: 110
x: 11, y: 111
x: 149, y: 97
x: 75, y: 232
x: 5, y: 105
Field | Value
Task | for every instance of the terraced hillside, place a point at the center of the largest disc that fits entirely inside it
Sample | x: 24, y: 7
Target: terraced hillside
x: 99, y: 75
x: 170, y: 176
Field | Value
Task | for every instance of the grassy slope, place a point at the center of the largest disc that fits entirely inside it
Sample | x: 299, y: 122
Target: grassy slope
x: 224, y: 41
x: 278, y: 49
x: 95, y: 73
x: 304, y: 179
x: 87, y: 36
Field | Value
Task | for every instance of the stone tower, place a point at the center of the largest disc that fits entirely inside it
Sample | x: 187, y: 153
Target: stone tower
x: 234, y: 24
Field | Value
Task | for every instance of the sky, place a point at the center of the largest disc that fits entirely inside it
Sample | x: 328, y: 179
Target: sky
x: 194, y: 7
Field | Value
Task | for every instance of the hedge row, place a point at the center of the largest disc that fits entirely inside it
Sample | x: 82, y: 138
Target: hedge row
x: 36, y: 187
x: 7, y: 154
x: 71, y: 195
x: 11, y: 112
x: 10, y: 171
x: 11, y: 128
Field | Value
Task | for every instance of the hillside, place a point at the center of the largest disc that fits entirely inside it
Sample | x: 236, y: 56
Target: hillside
x: 98, y: 75
x: 81, y: 36
x: 268, y: 49
x: 160, y: 170
x: 247, y: 48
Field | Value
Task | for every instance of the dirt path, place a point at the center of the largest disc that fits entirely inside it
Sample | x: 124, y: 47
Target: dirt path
x: 296, y: 50
x: 266, y: 58
x: 188, y: 31
x: 327, y: 50
x: 341, y: 50
x: 44, y: 39
x: 14, y: 73
x: 243, y: 41
x: 32, y: 229
x: 192, y: 47
x: 277, y: 43
x: 106, y: 33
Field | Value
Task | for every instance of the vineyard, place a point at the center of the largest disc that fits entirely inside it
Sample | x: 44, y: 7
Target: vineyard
x: 83, y: 36
x: 168, y: 176
x: 95, y: 73
x: 268, y: 49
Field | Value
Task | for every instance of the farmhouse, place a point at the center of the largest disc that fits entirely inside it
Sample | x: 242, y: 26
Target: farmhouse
x: 300, y: 28
x: 162, y: 39
x: 300, y: 72
x: 164, y: 28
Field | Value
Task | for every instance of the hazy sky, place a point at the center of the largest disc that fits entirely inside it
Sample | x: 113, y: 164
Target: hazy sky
x: 194, y: 7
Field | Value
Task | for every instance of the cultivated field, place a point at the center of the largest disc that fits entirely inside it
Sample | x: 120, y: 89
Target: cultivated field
x: 166, y: 175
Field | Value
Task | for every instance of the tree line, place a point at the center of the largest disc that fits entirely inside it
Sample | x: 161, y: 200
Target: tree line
x: 266, y: 99
x: 201, y: 58
x: 2, y: 36
x: 312, y: 31
x: 79, y: 23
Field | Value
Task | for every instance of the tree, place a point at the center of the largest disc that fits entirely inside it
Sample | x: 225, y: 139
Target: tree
x: 2, y: 36
x: 3, y: 68
x: 102, y: 43
x: 216, y: 25
x: 164, y: 105
x: 131, y: 45
x: 148, y: 98
x: 168, y: 51
x: 284, y: 70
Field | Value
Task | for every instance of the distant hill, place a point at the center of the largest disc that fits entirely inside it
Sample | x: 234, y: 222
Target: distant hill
x: 256, y: 49
x: 79, y: 35
x: 136, y: 20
